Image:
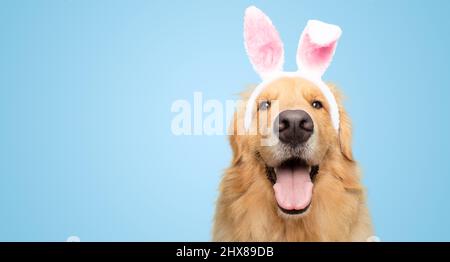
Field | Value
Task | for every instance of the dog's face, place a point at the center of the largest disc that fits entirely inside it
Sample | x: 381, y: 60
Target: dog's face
x: 302, y: 126
x: 295, y: 134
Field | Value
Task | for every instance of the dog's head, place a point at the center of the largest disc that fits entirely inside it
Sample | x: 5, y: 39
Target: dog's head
x: 299, y: 121
x: 294, y: 138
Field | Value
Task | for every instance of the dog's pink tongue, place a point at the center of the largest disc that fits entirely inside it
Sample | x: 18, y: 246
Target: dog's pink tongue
x: 293, y: 189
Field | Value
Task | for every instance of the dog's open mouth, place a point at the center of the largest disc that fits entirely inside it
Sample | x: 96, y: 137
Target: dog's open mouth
x: 293, y: 185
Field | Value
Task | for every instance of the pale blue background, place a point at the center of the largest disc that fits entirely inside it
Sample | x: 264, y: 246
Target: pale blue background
x: 86, y: 89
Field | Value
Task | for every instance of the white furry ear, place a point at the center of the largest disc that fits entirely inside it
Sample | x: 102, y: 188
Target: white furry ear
x: 262, y: 42
x: 316, y: 47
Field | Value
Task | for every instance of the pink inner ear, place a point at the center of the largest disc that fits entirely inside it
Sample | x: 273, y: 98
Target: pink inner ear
x: 263, y: 44
x: 315, y: 57
x: 316, y: 47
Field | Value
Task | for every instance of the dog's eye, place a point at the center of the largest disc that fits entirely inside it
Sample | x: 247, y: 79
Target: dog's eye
x: 264, y: 105
x: 317, y: 104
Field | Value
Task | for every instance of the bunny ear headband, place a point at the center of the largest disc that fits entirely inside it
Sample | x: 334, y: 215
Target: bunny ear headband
x: 266, y: 53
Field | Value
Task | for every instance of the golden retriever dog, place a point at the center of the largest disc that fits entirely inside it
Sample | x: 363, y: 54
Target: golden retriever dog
x: 295, y: 179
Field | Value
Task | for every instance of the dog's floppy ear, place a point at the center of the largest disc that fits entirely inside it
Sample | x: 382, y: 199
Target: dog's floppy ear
x: 262, y: 42
x: 345, y: 134
x: 316, y: 47
x: 345, y: 125
x: 236, y: 142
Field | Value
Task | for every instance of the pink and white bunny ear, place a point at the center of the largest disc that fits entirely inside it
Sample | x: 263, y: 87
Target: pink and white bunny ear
x: 316, y: 47
x: 262, y: 42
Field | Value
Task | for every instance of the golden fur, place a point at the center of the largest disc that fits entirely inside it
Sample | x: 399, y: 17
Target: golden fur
x: 246, y: 208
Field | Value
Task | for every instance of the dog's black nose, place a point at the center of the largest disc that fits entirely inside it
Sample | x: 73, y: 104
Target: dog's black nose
x: 293, y: 126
